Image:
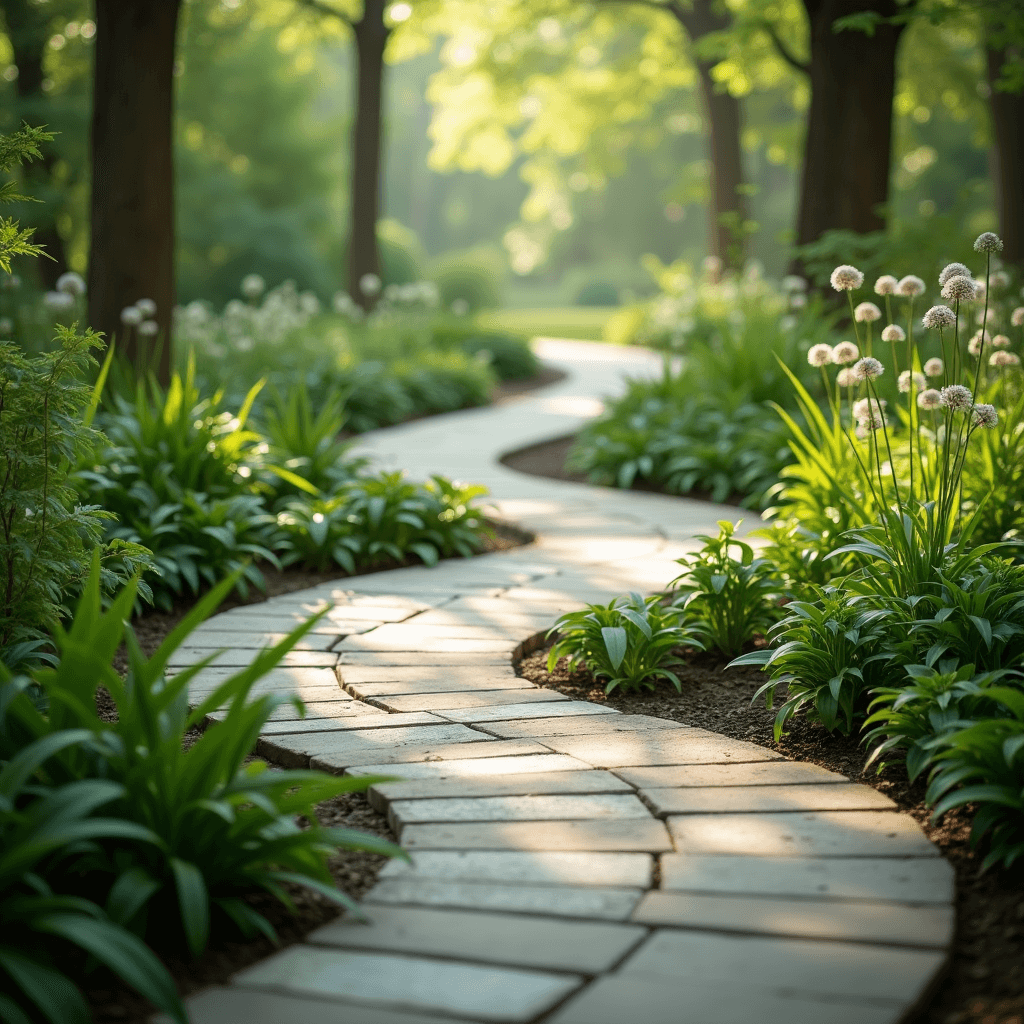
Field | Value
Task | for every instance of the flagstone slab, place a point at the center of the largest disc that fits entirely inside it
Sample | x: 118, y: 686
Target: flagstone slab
x: 588, y: 901
x: 816, y: 834
x: 559, y: 807
x: 425, y: 659
x: 851, y: 971
x: 369, y: 718
x: 510, y: 939
x: 529, y: 867
x: 581, y: 725
x: 401, y: 639
x: 246, y: 639
x: 502, y: 616
x: 309, y: 695
x: 428, y: 679
x: 418, y: 630
x: 281, y: 678
x: 846, y: 920
x: 429, y: 986
x: 904, y: 880
x: 629, y: 834
x: 429, y: 753
x: 544, y: 709
x: 445, y: 702
x: 692, y: 746
x: 246, y: 656
x: 284, y: 622
x: 525, y: 784
x: 511, y: 757
x: 324, y: 711
x: 764, y: 773
x: 842, y: 796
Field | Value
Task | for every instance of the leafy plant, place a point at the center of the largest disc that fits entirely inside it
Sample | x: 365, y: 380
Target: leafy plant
x: 728, y: 600
x: 630, y: 642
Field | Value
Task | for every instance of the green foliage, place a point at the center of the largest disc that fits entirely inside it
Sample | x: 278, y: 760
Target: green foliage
x: 729, y: 596
x: 444, y: 381
x: 472, y: 278
x: 15, y: 149
x: 509, y: 357
x: 401, y: 254
x: 630, y: 642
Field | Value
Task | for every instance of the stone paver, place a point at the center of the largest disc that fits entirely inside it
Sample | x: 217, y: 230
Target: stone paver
x: 351, y: 723
x: 580, y: 725
x: 239, y: 657
x: 842, y: 796
x: 640, y: 834
x: 243, y: 638
x: 424, y: 659
x: 407, y: 754
x: 765, y: 773
x: 520, y: 712
x: 690, y: 746
x: 442, y: 702
x: 510, y: 757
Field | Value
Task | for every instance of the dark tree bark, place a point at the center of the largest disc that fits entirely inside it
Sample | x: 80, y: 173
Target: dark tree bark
x: 848, y: 147
x: 132, y: 250
x: 1008, y: 164
x: 371, y: 35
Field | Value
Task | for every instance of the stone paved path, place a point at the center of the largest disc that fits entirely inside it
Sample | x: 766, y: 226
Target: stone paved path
x: 568, y: 863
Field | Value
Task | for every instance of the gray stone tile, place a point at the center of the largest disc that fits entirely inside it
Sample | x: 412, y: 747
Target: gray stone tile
x: 370, y: 718
x: 276, y: 679
x: 615, y: 999
x: 908, y: 880
x: 419, y: 630
x: 842, y: 796
x: 488, y: 993
x: 327, y: 710
x: 630, y: 834
x: 692, y: 746
x: 467, y: 699
x: 581, y: 725
x: 424, y: 659
x: 239, y: 657
x: 581, y: 806
x: 508, y: 939
x: 815, y: 834
x: 285, y: 622
x: 544, y: 709
x: 587, y: 901
x: 309, y: 694
x: 237, y: 1005
x: 524, y: 784
x: 498, y: 617
x: 399, y: 638
x: 530, y: 867
x: 852, y: 971
x: 246, y: 639
x: 428, y: 753
x: 764, y: 773
x: 845, y: 920
x: 513, y: 757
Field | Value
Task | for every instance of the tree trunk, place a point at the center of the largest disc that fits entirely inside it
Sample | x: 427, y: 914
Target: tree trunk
x: 848, y: 146
x: 131, y: 255
x: 727, y: 210
x: 1008, y: 166
x: 363, y: 257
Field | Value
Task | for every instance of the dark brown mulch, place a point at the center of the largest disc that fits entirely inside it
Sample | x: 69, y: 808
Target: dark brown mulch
x: 985, y: 982
x: 507, y: 390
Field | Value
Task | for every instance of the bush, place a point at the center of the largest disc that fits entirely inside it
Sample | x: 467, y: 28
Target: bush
x: 509, y: 357
x: 401, y: 254
x: 472, y: 277
x: 598, y: 293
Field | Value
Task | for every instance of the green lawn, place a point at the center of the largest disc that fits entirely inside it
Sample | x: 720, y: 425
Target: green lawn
x: 584, y: 323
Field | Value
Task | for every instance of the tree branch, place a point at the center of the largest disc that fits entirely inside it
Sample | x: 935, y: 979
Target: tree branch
x: 783, y: 50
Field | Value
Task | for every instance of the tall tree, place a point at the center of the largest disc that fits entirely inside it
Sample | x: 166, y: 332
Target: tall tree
x: 1007, y: 110
x: 131, y: 254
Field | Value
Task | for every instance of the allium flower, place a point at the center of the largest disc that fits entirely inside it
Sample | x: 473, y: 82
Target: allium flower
x: 904, y: 381
x: 1017, y: 317
x: 985, y: 416
x: 146, y: 306
x: 939, y: 316
x: 1001, y: 341
x: 1003, y: 359
x: 149, y: 328
x: 370, y: 284
x: 978, y: 340
x: 893, y: 333
x: 954, y: 270
x: 999, y: 279
x: 6, y: 326
x: 988, y: 241
x: 460, y: 307
x: 797, y: 300
x: 979, y: 288
x: 253, y: 286
x: 959, y: 289
x: 957, y: 397
x: 132, y: 316
x: 867, y: 312
x: 929, y: 399
x: 846, y: 278
x: 58, y: 301
x: 934, y: 368
x: 910, y: 286
x: 845, y: 352
x: 886, y: 285
x: 71, y: 283
x: 865, y: 427
x: 867, y: 368
x: 794, y: 283
x: 819, y: 355
x: 867, y: 408
x: 846, y: 378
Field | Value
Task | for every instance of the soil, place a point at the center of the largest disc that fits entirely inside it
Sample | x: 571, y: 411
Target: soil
x: 508, y: 390
x: 985, y: 980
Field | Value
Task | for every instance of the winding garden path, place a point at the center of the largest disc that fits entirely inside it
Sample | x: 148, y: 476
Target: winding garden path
x: 570, y: 864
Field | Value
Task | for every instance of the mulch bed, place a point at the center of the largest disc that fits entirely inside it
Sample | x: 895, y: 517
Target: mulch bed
x: 985, y: 981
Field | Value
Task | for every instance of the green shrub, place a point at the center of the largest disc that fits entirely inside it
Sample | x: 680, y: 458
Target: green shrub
x: 401, y: 254
x: 444, y: 381
x: 509, y: 357
x: 472, y: 277
x: 630, y: 642
x: 598, y: 293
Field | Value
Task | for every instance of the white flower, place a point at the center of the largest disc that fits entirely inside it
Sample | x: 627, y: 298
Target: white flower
x: 929, y: 399
x: 905, y: 379
x: 934, y: 368
x: 1017, y: 317
x: 999, y: 279
x: 146, y: 306
x: 959, y: 289
x: 460, y: 307
x: 886, y: 285
x: 867, y: 312
x: 985, y: 416
x: 845, y: 352
x: 977, y: 342
x: 149, y: 328
x: 910, y: 286
x: 869, y: 408
x: 1001, y: 341
x: 846, y: 278
x: 794, y: 283
x: 370, y: 284
x: 988, y: 241
x: 868, y: 368
x: 1002, y: 359
x: 12, y: 281
x: 132, y: 316
x: 309, y: 303
x: 845, y: 378
x: 957, y: 397
x: 819, y: 355
x: 797, y: 300
x: 58, y: 301
x: 939, y: 316
x: 893, y: 333
x: 253, y: 286
x: 71, y: 283
x: 954, y: 270
x: 6, y: 326
x: 979, y: 289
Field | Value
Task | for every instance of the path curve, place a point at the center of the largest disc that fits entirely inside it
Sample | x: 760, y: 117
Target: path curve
x: 570, y: 864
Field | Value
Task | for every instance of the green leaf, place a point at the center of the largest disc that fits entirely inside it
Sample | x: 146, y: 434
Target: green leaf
x: 193, y: 903
x: 615, y: 643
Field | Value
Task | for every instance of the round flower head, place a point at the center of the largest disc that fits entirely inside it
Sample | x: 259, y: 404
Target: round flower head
x: 886, y: 285
x: 846, y: 278
x: 977, y: 342
x: 868, y: 408
x: 957, y: 397
x: 1017, y: 317
x: 867, y: 312
x: 6, y: 326
x: 988, y: 241
x: 1000, y: 279
x: 253, y: 286
x: 979, y: 289
x: 904, y: 382
x: 819, y: 355
x: 845, y: 378
x: 71, y: 283
x: 797, y: 300
x: 865, y: 427
x: 954, y: 270
x: 1003, y: 359
x: 929, y: 399
x: 959, y: 289
x: 985, y: 416
x: 1000, y: 341
x: 149, y: 328
x: 867, y: 368
x: 939, y: 316
x: 58, y: 301
x: 893, y: 333
x: 794, y: 283
x: 934, y: 368
x: 910, y: 286
x: 845, y: 352
x: 132, y: 316
x: 147, y: 306
x: 370, y: 284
